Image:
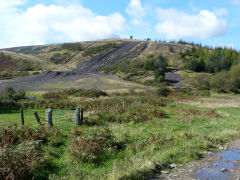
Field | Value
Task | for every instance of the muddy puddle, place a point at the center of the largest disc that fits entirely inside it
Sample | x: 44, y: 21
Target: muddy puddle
x: 220, y: 170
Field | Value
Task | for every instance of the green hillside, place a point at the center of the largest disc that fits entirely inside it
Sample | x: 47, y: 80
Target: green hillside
x: 146, y: 62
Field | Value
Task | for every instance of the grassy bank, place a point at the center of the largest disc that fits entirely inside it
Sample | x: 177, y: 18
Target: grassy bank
x: 134, y: 142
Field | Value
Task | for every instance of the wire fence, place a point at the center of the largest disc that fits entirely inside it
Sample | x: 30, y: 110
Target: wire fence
x: 63, y: 118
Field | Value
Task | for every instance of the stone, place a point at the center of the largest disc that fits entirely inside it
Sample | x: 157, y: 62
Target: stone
x: 164, y: 172
x: 173, y: 166
x: 223, y: 170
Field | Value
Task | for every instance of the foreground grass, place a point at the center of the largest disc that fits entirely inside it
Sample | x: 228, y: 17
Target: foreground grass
x: 104, y: 148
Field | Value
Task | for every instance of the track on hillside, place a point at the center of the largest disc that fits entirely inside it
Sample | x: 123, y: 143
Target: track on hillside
x: 124, y: 51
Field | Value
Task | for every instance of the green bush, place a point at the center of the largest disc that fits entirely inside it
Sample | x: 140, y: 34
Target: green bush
x: 72, y: 46
x: 163, y: 91
x: 227, y: 81
x: 134, y: 114
x: 91, y: 93
x: 59, y: 58
x: 195, y: 92
x: 9, y: 95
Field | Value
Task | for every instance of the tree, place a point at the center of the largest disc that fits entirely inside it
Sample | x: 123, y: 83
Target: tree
x: 9, y: 95
x: 131, y: 37
x: 159, y: 75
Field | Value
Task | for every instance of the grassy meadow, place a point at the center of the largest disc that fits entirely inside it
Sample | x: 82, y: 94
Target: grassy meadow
x: 134, y: 140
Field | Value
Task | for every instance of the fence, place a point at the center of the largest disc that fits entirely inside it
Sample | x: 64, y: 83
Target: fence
x: 74, y: 116
x: 58, y: 117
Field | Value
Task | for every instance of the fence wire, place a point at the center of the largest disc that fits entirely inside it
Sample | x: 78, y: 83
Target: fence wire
x: 64, y: 118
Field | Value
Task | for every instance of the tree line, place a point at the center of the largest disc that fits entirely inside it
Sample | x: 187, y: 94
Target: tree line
x: 211, y: 60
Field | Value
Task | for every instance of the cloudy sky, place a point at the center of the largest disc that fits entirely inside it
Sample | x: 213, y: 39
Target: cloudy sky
x: 31, y: 22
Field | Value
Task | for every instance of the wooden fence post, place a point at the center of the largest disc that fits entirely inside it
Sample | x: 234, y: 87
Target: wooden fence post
x: 37, y: 119
x: 81, y: 118
x: 78, y: 116
x: 22, y: 116
x: 49, y: 117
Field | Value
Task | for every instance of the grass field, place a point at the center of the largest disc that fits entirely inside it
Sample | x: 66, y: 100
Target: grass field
x: 142, y: 148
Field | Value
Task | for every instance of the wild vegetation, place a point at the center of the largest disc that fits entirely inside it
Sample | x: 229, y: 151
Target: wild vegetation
x: 98, y: 49
x: 14, y: 67
x: 227, y: 81
x: 140, y: 68
x: 134, y: 140
x: 125, y: 134
x: 205, y: 59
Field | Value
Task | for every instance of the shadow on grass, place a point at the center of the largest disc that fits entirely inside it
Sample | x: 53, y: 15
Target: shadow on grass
x: 9, y: 110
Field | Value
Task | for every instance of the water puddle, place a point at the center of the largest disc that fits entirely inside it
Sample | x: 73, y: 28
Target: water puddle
x: 219, y: 170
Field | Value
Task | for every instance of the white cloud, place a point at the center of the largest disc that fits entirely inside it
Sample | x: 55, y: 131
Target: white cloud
x: 136, y: 11
x: 40, y: 24
x: 175, y: 24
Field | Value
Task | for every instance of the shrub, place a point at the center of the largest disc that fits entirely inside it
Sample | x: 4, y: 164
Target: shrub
x: 171, y: 49
x: 92, y: 147
x: 227, y: 81
x: 195, y: 92
x: 9, y: 95
x: 159, y: 75
x: 163, y: 91
x: 134, y: 114
x: 98, y: 49
x: 149, y: 63
x: 91, y: 93
x: 58, y: 58
x: 24, y: 161
x: 22, y: 154
x: 53, y: 95
x: 72, y: 46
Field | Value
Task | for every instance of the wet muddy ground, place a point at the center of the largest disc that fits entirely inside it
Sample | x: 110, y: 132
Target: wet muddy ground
x: 222, y: 165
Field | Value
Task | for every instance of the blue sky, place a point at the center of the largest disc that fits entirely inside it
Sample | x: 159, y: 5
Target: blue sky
x: 31, y: 22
